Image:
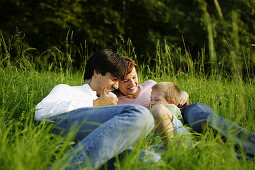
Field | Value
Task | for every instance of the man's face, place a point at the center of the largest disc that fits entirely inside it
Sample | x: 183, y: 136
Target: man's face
x: 157, y: 98
x: 106, y: 83
x: 129, y: 86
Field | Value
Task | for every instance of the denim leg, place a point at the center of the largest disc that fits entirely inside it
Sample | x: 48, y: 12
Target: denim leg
x: 122, y: 125
x: 198, y: 114
x: 84, y: 120
x: 234, y: 133
x: 195, y: 115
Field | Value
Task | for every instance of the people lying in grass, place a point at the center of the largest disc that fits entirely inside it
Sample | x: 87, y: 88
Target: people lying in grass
x: 72, y: 109
x: 132, y: 93
x: 164, y: 101
x: 195, y: 115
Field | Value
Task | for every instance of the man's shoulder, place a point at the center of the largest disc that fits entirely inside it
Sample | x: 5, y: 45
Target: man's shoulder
x: 61, y: 87
x: 73, y: 90
x: 66, y: 86
x: 65, y: 89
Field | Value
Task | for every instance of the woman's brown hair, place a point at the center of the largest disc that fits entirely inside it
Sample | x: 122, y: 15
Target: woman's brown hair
x: 130, y: 63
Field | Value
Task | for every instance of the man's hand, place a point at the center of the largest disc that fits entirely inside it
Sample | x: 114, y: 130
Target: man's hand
x: 105, y: 100
x: 184, y: 99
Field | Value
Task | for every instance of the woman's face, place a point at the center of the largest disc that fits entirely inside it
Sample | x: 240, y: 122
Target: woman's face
x: 129, y: 86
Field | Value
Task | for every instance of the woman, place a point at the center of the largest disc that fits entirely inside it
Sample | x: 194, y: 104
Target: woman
x: 132, y: 93
x: 196, y: 115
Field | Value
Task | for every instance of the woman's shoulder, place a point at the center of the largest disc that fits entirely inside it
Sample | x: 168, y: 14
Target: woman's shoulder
x: 148, y: 83
x: 146, y: 86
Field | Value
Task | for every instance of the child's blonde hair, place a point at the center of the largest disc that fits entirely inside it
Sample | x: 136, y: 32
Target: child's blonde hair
x: 169, y: 90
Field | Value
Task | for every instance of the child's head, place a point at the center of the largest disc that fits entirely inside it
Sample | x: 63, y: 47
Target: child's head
x: 165, y: 93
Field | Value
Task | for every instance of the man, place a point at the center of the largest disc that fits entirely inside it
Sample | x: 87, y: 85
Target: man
x: 73, y: 108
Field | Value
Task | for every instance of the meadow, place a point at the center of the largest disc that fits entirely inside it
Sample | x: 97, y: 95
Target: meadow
x: 27, y: 144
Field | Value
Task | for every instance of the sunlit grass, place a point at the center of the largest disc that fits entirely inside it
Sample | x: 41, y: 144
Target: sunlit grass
x: 27, y: 144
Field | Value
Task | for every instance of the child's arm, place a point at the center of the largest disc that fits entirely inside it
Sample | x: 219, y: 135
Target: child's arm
x: 163, y: 121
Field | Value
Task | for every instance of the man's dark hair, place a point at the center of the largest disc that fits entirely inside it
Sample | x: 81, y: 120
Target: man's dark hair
x: 105, y: 61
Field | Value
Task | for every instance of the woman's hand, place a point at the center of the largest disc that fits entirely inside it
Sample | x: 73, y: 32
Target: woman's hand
x: 184, y: 99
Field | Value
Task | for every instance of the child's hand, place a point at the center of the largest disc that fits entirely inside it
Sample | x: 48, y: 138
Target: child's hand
x: 184, y: 99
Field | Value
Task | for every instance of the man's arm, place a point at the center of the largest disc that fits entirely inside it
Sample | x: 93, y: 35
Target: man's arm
x: 61, y: 100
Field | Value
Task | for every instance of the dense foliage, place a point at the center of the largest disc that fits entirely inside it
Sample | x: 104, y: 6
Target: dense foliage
x: 219, y: 30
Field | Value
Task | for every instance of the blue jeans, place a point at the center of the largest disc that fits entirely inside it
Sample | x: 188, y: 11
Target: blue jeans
x: 102, y: 132
x: 197, y: 115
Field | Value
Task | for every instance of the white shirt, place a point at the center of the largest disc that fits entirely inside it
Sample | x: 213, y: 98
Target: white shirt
x: 64, y: 98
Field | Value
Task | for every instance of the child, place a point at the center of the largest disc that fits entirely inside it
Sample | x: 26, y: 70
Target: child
x: 167, y: 116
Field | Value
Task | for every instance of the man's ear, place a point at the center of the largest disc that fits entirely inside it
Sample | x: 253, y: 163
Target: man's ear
x: 95, y: 74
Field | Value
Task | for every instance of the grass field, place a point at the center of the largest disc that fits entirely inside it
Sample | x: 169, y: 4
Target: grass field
x: 27, y: 144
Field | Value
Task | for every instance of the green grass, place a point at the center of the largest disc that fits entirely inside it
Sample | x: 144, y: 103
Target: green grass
x: 27, y: 144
